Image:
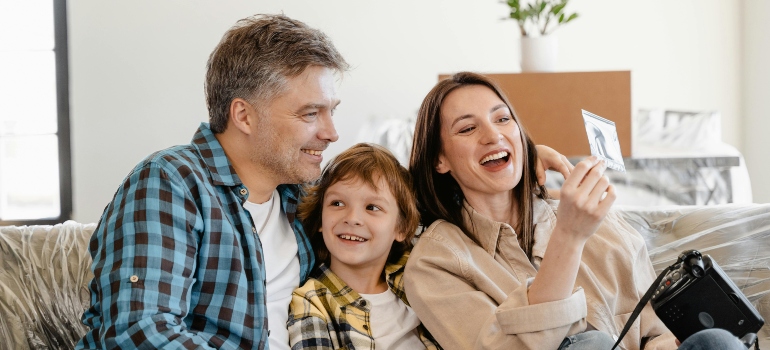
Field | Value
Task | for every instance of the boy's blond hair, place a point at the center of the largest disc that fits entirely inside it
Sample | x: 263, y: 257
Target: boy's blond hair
x: 368, y: 163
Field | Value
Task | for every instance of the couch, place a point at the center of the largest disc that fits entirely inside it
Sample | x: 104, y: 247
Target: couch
x: 46, y: 269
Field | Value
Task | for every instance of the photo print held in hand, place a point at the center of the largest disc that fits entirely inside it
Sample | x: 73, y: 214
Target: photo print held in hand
x: 603, y: 139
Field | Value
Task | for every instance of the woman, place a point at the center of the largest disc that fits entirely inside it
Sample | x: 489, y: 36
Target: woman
x: 501, y: 266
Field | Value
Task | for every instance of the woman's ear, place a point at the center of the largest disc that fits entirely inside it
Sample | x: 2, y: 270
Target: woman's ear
x: 441, y: 166
x: 400, y: 237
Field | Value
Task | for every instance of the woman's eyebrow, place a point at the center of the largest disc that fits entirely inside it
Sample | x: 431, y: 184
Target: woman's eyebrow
x: 462, y: 117
x: 502, y: 105
x: 491, y: 110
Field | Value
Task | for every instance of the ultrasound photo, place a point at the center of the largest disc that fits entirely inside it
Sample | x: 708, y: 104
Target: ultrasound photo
x: 603, y: 139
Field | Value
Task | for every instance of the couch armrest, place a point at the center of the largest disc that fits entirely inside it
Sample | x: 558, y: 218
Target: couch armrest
x: 737, y: 236
x: 44, y: 284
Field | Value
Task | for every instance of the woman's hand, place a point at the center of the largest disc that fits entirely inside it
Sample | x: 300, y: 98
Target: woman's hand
x: 586, y: 197
x: 549, y: 159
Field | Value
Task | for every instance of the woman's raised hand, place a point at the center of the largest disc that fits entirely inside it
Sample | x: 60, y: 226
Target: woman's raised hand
x: 586, y: 197
x: 549, y: 159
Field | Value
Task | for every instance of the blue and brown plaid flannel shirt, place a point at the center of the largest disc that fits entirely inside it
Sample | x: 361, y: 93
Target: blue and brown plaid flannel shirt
x: 177, y: 261
x: 326, y: 314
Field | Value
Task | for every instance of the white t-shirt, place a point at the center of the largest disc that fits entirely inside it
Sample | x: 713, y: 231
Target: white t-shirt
x: 394, y: 324
x: 279, y: 250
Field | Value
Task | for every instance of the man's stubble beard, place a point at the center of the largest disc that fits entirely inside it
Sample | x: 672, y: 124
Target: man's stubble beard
x: 270, y: 152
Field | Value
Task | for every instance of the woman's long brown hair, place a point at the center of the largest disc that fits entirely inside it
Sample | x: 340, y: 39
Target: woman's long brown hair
x: 438, y: 195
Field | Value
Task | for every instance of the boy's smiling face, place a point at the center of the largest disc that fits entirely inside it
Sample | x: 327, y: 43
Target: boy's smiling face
x: 359, y: 224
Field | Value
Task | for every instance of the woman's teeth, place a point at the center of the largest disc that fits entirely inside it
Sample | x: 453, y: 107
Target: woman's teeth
x: 494, y: 156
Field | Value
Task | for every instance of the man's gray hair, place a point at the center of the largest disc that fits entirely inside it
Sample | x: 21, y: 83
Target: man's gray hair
x: 256, y: 56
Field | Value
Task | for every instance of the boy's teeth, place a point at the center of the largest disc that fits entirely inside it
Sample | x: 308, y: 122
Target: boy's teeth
x: 352, y: 238
x: 497, y: 155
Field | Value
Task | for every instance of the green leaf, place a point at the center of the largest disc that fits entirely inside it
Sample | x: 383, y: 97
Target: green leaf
x: 544, y: 15
x: 557, y: 9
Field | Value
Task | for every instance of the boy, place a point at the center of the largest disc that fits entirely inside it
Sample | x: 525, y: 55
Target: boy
x: 361, y: 217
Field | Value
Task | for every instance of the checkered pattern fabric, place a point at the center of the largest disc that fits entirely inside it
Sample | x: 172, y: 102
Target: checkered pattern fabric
x: 177, y: 260
x: 326, y: 314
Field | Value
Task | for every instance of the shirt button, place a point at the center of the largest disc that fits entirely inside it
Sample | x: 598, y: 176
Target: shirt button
x: 244, y: 191
x: 366, y: 327
x: 134, y: 278
x: 253, y: 229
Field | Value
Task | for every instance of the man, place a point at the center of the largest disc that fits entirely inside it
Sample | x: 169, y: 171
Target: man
x: 179, y: 261
x: 200, y: 247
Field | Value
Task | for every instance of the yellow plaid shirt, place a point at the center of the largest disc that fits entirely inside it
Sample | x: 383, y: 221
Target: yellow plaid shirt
x: 327, y: 314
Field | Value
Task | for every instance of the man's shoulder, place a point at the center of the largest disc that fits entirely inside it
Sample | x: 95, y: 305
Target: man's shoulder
x: 180, y: 160
x: 175, y: 157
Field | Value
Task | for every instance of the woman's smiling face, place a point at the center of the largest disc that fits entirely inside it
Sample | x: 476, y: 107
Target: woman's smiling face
x: 481, y: 145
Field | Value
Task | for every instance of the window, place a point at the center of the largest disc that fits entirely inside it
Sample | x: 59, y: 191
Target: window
x: 35, y: 166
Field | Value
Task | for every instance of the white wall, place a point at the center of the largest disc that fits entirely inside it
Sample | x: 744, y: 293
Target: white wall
x: 137, y: 67
x: 756, y: 95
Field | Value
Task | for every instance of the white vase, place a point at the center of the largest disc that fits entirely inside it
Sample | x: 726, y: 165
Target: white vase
x: 538, y: 54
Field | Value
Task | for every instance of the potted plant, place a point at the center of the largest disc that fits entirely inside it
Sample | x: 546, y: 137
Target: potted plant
x: 537, y: 19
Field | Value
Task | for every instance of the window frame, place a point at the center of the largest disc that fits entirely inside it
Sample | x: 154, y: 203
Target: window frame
x: 61, y: 55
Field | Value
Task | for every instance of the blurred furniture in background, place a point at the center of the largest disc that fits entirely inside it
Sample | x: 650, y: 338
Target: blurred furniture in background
x: 678, y: 159
x: 396, y: 134
x: 696, y: 180
x: 701, y: 163
x: 680, y: 180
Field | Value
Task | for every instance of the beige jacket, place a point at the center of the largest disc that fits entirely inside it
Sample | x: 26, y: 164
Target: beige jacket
x: 473, y: 296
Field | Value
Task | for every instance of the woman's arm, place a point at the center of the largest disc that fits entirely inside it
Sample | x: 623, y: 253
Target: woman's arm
x: 586, y: 198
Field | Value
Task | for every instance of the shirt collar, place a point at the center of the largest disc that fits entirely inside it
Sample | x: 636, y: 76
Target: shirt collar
x: 214, y: 157
x: 487, y: 232
x: 394, y: 275
x: 344, y: 294
x: 482, y: 229
x: 347, y: 296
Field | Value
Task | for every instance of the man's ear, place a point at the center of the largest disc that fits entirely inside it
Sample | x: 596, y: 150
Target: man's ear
x: 242, y: 114
x: 441, y: 166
